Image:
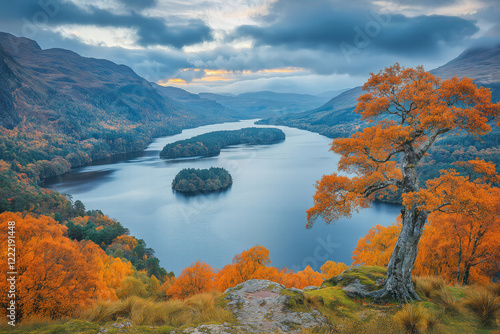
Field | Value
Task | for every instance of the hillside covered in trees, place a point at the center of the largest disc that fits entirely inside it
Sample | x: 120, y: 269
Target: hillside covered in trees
x: 210, y: 144
x: 193, y: 181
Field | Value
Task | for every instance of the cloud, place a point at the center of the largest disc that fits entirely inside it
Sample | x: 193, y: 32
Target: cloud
x: 150, y: 31
x: 426, y: 3
x: 328, y: 25
x: 331, y: 39
x: 139, y: 4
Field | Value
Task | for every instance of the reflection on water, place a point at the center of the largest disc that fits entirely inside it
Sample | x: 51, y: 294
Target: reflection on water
x: 272, y: 188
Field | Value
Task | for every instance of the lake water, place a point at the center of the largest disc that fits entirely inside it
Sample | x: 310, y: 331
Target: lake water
x: 272, y: 188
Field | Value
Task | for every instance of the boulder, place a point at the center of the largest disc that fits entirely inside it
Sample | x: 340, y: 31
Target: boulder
x: 265, y: 306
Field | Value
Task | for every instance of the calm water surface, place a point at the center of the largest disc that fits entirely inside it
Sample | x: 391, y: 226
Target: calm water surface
x: 272, y: 188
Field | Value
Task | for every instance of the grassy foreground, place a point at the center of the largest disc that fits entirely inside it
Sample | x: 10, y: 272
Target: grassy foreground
x: 443, y: 309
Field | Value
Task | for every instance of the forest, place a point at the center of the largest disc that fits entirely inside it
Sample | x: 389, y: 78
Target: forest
x: 210, y: 144
x: 194, y: 181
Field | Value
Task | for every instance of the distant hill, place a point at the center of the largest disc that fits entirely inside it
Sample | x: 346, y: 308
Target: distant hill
x: 267, y: 104
x: 335, y: 118
x: 205, y: 109
x: 332, y: 93
x: 482, y: 64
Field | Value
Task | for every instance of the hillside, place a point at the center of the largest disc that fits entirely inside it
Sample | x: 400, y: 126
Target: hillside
x: 267, y: 104
x: 336, y: 118
x: 95, y: 107
x: 206, y: 110
x: 482, y: 64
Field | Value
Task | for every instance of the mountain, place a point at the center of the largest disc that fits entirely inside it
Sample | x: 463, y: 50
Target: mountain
x: 337, y: 118
x: 205, y: 109
x: 266, y: 104
x: 85, y: 107
x: 482, y: 64
x: 332, y: 93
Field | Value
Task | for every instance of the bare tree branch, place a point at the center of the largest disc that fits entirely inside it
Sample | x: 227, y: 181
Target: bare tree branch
x: 381, y: 185
x: 389, y: 156
x: 432, y: 138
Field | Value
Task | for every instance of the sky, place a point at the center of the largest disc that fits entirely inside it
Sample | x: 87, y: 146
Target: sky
x: 237, y: 46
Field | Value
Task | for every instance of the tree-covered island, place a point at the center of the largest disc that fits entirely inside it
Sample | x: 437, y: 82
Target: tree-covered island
x: 194, y: 181
x: 210, y: 144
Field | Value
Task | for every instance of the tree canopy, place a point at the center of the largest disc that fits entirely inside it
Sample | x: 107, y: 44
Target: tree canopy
x: 192, y: 181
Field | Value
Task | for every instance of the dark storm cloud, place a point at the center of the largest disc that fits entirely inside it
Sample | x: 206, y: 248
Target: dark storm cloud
x: 32, y: 14
x: 327, y: 25
x: 139, y: 4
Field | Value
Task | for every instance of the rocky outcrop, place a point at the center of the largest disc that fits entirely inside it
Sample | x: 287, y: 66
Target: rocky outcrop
x: 359, y: 281
x: 265, y: 306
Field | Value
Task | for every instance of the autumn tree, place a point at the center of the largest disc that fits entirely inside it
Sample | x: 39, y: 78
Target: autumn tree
x: 331, y: 268
x: 461, y: 247
x: 407, y: 109
x: 56, y: 276
x: 376, y: 247
x: 465, y: 207
x: 251, y: 263
x: 197, y: 278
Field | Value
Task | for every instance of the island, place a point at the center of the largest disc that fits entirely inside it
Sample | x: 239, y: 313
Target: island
x: 195, y: 181
x: 210, y: 144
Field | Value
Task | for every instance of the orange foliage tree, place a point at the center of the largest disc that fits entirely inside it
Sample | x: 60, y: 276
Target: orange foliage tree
x: 255, y: 264
x: 376, y: 247
x: 408, y: 109
x: 465, y: 208
x: 245, y: 266
x: 55, y: 276
x: 197, y: 278
x: 331, y: 268
x: 460, y: 243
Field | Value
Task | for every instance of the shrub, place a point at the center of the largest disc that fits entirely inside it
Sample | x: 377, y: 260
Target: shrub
x: 385, y: 325
x: 429, y: 284
x: 493, y: 288
x: 412, y: 317
x: 451, y: 304
x: 484, y: 305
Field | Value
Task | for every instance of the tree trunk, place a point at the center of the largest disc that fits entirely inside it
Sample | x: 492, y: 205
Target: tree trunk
x: 458, y: 264
x: 465, y: 280
x: 399, y: 284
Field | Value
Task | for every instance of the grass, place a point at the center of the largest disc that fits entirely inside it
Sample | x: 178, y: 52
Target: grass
x: 428, y: 285
x: 484, y: 305
x: 412, y: 318
x: 196, y: 310
x: 493, y: 288
x: 450, y: 303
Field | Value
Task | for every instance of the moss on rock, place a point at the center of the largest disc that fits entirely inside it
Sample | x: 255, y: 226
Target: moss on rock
x: 370, y: 277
